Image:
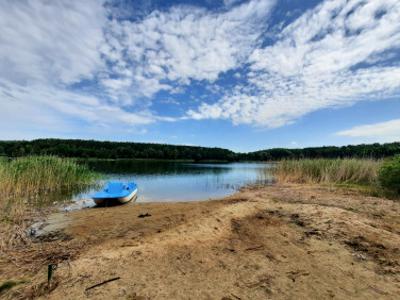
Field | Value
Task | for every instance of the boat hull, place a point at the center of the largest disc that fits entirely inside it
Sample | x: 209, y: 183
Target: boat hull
x: 122, y: 200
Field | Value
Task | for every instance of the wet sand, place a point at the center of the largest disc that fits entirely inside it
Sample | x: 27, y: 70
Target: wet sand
x: 277, y: 242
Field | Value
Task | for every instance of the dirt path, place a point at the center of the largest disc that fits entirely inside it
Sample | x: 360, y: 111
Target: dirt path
x: 280, y: 242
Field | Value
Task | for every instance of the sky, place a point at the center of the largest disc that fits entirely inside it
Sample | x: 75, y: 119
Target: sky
x: 243, y: 75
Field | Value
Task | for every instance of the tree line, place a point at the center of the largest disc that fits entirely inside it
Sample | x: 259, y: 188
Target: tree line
x: 127, y: 150
x: 351, y: 151
x: 111, y: 150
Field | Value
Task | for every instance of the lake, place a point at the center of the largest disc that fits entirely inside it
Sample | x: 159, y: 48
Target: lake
x: 163, y: 181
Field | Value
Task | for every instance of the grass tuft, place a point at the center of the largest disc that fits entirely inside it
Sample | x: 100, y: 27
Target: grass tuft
x: 9, y: 284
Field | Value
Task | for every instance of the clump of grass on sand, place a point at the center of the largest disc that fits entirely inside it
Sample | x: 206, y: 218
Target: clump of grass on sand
x: 336, y: 171
x: 8, y: 284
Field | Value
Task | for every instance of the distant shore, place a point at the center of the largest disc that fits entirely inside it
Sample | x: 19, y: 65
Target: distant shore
x: 109, y: 149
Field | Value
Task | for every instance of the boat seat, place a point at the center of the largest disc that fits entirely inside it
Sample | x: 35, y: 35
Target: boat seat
x: 115, y: 187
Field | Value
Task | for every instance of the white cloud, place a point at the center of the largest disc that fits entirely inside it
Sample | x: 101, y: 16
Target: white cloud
x: 49, y: 108
x: 180, y: 45
x: 52, y: 41
x: 316, y: 63
x: 79, y: 63
x: 385, y: 131
x: 45, y: 48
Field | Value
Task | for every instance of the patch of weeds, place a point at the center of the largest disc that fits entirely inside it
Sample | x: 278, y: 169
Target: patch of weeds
x: 9, y: 284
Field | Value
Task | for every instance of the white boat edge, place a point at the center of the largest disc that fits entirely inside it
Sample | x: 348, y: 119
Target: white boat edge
x: 121, y: 200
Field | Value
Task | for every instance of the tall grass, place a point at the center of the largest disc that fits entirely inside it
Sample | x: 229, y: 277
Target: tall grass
x: 26, y: 184
x: 336, y: 171
x: 26, y: 181
x: 36, y: 175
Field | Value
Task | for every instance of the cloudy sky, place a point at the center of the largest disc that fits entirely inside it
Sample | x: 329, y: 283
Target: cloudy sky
x: 244, y: 75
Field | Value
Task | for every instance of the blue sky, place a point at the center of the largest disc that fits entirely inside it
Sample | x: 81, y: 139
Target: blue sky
x: 244, y: 75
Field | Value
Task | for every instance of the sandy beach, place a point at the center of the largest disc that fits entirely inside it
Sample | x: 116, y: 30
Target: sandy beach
x: 276, y: 242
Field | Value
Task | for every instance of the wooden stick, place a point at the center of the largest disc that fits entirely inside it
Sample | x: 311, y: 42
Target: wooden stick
x: 255, y: 248
x: 101, y: 283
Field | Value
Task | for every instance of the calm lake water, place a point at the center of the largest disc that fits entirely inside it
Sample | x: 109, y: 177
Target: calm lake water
x: 162, y: 181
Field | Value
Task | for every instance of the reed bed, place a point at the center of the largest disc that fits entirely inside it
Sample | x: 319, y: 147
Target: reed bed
x: 36, y: 175
x: 329, y: 171
x: 26, y: 181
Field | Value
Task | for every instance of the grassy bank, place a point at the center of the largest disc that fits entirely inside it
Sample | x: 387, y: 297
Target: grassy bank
x: 26, y: 182
x: 338, y: 171
x: 379, y: 177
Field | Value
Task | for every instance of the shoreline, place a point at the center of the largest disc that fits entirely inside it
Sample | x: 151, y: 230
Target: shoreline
x: 281, y: 241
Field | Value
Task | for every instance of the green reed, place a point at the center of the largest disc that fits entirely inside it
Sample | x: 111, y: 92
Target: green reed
x: 28, y: 182
x: 337, y: 171
x: 35, y: 175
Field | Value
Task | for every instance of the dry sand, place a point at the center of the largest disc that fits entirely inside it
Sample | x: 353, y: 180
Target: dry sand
x: 278, y: 242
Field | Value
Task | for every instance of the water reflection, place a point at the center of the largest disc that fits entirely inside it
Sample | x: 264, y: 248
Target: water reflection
x: 152, y: 167
x: 180, y: 181
x: 64, y: 197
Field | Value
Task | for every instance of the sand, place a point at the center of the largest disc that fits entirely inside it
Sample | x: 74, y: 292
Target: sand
x: 277, y: 242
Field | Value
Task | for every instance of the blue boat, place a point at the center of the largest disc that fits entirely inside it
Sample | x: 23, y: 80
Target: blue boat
x: 116, y: 191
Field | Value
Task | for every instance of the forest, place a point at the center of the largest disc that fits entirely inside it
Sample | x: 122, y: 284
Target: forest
x: 351, y: 151
x: 129, y: 150
x: 111, y: 150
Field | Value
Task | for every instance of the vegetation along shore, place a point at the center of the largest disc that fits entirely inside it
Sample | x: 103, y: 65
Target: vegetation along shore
x: 380, y: 177
x: 28, y: 184
x: 104, y: 149
x: 336, y: 219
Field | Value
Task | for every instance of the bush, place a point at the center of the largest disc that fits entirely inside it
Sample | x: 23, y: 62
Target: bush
x: 389, y: 175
